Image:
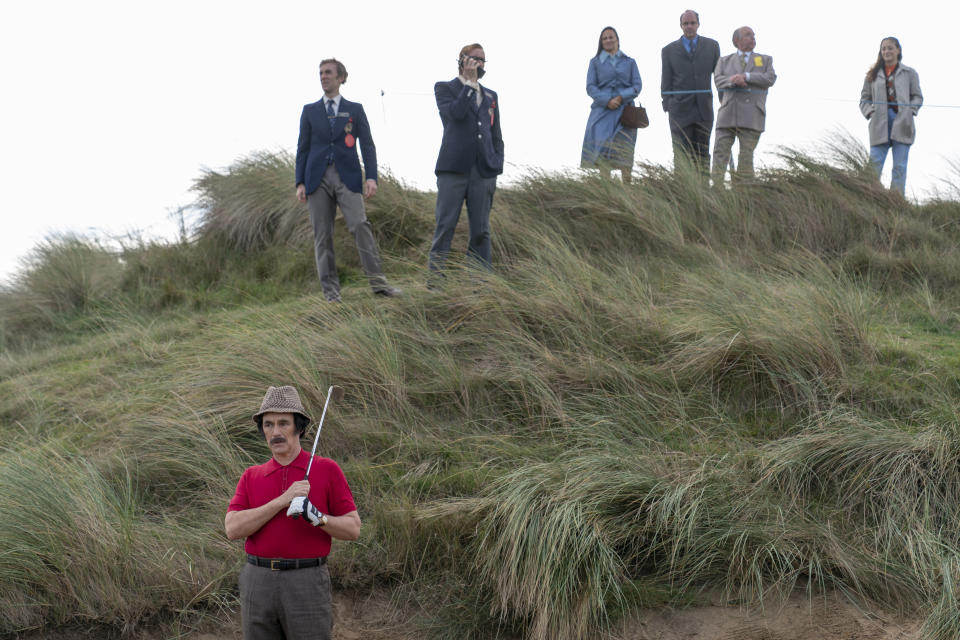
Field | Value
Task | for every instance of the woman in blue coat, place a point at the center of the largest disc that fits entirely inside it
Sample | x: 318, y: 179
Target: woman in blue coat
x: 613, y: 81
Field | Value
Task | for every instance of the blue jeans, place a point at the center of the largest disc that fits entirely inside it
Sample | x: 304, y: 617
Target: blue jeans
x: 878, y: 155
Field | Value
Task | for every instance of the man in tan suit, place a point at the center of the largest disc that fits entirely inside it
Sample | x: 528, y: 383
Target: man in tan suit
x: 742, y: 79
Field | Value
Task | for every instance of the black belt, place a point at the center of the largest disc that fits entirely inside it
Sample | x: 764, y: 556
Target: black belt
x: 284, y: 564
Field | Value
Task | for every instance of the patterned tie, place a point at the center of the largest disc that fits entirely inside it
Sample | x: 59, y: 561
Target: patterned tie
x: 331, y: 116
x: 693, y: 47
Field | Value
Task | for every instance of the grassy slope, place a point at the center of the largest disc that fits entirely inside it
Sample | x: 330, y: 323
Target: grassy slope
x: 661, y: 389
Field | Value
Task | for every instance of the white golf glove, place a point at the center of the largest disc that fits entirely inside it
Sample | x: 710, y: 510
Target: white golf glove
x: 301, y: 506
x: 296, y: 507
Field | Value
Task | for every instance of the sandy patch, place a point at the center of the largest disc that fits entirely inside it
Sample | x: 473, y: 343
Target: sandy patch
x: 373, y: 617
x: 797, y: 619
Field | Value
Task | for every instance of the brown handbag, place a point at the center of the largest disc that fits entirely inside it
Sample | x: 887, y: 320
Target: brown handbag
x: 634, y: 117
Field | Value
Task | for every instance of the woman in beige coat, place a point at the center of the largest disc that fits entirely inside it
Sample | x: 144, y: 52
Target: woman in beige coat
x: 890, y: 99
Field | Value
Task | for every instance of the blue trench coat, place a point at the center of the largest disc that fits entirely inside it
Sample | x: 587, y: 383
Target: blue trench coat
x: 606, y: 142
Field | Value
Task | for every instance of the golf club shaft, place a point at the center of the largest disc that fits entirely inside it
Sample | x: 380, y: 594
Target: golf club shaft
x: 316, y: 439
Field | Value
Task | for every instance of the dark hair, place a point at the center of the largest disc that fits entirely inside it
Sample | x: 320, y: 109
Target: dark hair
x: 300, y: 422
x: 600, y: 40
x: 736, y: 35
x: 690, y: 11
x: 879, y: 64
x: 341, y: 70
x: 464, y: 51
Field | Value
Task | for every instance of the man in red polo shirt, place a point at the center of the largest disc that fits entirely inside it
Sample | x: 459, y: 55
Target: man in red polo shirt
x: 285, y: 587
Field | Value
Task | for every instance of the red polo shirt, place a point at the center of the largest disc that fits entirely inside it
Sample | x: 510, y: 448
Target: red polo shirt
x: 282, y: 536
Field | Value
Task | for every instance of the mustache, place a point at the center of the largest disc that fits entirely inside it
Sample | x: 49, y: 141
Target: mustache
x: 277, y: 439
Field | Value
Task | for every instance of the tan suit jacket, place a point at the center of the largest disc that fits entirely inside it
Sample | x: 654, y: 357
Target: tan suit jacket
x: 740, y: 109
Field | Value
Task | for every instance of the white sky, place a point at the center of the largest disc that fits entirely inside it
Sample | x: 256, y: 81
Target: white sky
x: 110, y: 109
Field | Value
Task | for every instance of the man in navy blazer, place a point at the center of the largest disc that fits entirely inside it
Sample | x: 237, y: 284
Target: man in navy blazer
x: 471, y: 158
x: 687, y: 96
x: 328, y: 173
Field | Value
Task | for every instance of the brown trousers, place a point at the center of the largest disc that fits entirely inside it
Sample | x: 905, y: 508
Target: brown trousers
x: 292, y: 605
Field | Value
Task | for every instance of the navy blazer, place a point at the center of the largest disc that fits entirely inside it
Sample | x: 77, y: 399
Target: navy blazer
x: 317, y: 137
x: 471, y: 134
x: 684, y: 72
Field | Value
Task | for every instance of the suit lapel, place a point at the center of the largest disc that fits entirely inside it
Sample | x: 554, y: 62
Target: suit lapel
x: 335, y: 126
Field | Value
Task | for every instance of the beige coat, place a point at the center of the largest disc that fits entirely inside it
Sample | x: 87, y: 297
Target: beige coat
x: 907, y: 83
x: 741, y: 109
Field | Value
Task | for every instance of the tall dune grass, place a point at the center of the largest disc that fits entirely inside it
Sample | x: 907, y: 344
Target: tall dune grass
x: 77, y: 545
x: 61, y: 276
x: 660, y: 390
x: 563, y: 542
x: 789, y: 338
x: 252, y: 205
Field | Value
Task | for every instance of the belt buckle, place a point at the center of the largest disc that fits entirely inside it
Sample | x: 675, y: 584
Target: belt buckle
x: 275, y: 564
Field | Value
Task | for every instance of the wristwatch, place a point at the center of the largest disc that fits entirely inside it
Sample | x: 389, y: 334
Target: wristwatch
x: 323, y: 519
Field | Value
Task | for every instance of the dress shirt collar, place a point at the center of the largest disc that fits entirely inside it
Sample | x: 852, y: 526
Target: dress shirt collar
x: 688, y: 41
x: 336, y: 102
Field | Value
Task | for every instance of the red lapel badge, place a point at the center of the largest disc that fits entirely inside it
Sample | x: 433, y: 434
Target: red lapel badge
x: 349, y: 140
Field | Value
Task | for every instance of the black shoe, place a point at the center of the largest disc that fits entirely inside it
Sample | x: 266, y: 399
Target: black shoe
x: 388, y: 292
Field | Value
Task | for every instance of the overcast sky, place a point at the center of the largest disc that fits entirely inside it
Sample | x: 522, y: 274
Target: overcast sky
x: 111, y: 109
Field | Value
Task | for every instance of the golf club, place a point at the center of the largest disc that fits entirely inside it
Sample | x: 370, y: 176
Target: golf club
x: 335, y: 392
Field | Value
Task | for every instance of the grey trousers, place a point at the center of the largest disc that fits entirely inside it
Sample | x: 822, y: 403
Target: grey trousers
x: 322, y: 205
x: 291, y: 605
x: 722, y: 147
x: 452, y: 190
